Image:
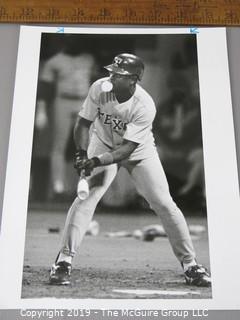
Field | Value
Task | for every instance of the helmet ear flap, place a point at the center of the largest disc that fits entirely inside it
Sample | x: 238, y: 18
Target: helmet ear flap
x: 127, y: 64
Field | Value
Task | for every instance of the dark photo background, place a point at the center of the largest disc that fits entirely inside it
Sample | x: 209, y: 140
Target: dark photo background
x: 171, y: 78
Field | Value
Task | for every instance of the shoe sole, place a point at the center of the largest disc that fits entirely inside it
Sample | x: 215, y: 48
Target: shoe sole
x: 202, y: 284
x: 58, y: 283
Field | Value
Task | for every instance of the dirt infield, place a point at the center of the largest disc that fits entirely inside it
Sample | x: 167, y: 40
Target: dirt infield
x: 108, y: 267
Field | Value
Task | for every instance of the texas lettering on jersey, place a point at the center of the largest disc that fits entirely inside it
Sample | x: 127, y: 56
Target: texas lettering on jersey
x: 107, y: 119
x: 113, y: 121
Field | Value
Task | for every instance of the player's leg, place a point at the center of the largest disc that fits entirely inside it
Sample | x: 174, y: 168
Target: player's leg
x: 151, y: 182
x: 81, y: 212
x: 78, y: 219
x: 80, y: 215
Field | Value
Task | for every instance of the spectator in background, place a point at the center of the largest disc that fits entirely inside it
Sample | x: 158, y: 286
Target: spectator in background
x: 177, y: 128
x: 40, y: 171
x: 195, y: 176
x: 66, y: 78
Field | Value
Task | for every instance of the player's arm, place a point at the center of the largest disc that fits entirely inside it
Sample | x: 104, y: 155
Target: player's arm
x: 124, y: 150
x: 121, y: 153
x: 135, y: 133
x: 81, y: 140
x: 81, y: 133
x: 86, y: 116
x: 115, y: 156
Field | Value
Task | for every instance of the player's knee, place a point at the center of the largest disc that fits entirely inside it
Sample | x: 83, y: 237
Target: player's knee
x: 163, y: 204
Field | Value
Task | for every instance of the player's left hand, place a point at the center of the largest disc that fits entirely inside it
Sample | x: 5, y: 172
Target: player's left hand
x: 89, y: 164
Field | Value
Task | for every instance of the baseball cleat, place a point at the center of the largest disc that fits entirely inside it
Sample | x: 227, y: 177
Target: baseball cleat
x: 197, y: 276
x: 60, y: 273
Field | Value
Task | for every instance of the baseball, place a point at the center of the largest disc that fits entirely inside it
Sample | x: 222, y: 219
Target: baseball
x: 107, y: 86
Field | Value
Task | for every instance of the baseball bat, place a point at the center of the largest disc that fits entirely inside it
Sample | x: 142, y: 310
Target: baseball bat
x: 82, y: 187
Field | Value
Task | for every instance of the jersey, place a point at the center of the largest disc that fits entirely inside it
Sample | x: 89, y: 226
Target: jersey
x: 71, y: 74
x: 113, y: 121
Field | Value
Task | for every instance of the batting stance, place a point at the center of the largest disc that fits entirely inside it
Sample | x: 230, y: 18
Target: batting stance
x: 120, y: 114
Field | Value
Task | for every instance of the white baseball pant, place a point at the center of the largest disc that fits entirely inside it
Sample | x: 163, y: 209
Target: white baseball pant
x: 150, y: 180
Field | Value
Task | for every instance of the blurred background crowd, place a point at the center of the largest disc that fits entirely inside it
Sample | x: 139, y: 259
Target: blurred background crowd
x: 69, y: 64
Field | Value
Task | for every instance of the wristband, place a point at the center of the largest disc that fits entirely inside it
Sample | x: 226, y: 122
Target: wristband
x: 106, y: 158
x: 96, y: 161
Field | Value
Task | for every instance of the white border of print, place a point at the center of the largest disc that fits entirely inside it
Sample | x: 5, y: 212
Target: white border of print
x: 223, y: 201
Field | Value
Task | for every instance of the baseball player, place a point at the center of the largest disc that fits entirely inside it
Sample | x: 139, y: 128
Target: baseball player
x: 120, y: 113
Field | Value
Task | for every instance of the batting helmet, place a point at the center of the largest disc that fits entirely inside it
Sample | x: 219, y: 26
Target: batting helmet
x: 127, y: 64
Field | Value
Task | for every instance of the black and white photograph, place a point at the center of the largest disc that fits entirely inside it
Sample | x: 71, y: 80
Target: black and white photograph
x: 118, y: 199
x: 117, y: 191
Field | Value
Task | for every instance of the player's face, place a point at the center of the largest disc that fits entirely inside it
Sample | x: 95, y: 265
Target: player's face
x: 121, y: 82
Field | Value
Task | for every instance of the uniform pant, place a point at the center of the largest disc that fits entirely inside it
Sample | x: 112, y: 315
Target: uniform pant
x: 150, y: 180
